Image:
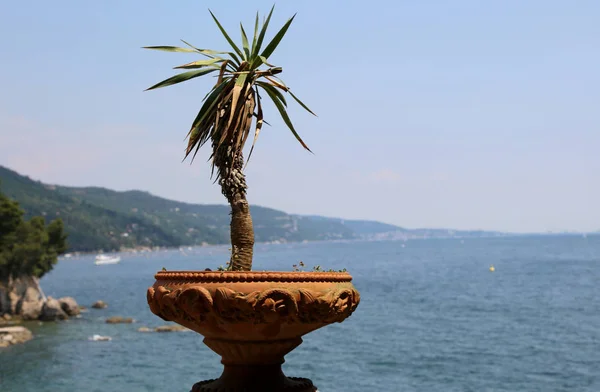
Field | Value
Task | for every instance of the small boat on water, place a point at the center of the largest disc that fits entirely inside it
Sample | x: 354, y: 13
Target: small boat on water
x: 103, y: 259
x: 100, y: 338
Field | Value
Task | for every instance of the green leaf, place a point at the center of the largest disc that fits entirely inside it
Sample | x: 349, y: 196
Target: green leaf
x: 170, y: 49
x: 206, y: 53
x: 261, y: 36
x: 274, y: 91
x: 233, y: 45
x: 200, y: 63
x: 191, y: 46
x: 210, y: 53
x: 280, y: 84
x: 263, y: 59
x: 182, y: 77
x: 226, y: 79
x: 255, y: 36
x: 277, y: 80
x: 301, y: 104
x: 275, y: 41
x: 241, y: 79
x: 234, y: 61
x: 245, y: 43
x: 205, y: 110
x: 209, y: 101
x: 286, y: 118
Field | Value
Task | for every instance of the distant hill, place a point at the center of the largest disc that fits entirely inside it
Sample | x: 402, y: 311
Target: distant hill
x: 360, y: 227
x: 103, y: 219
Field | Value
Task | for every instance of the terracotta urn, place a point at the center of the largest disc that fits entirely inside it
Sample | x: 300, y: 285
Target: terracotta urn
x: 253, y: 319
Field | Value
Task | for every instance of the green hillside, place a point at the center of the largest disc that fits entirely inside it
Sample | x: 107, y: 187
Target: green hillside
x: 103, y: 219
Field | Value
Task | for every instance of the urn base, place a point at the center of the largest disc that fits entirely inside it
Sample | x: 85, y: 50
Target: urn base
x: 240, y: 378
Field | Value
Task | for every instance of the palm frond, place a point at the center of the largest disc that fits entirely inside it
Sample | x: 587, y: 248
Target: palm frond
x: 245, y: 44
x: 273, y: 90
x: 182, y: 77
x: 286, y: 119
x: 301, y: 103
x: 200, y: 131
x: 228, y: 109
x: 211, y: 53
x: 170, y: 49
x: 279, y: 84
x: 229, y: 40
x: 277, y: 39
x: 255, y: 36
x: 261, y: 37
x: 200, y: 63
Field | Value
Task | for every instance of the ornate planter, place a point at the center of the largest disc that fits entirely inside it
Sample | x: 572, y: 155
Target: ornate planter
x: 253, y: 319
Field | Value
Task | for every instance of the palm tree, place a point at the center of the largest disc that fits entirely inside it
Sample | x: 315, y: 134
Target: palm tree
x: 227, y: 114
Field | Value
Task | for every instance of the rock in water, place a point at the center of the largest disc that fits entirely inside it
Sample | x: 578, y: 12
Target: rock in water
x: 99, y: 305
x: 119, y: 320
x: 69, y: 306
x: 171, y: 328
x: 52, y: 310
x: 14, y: 335
x: 21, y: 296
x: 31, y: 310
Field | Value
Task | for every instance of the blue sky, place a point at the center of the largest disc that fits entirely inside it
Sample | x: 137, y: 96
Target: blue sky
x: 461, y: 114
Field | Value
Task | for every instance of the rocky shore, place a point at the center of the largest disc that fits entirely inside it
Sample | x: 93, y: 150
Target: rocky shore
x: 48, y: 309
x: 23, y: 298
x: 14, y: 335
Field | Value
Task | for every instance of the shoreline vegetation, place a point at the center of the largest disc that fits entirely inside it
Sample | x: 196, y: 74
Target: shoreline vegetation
x: 29, y: 248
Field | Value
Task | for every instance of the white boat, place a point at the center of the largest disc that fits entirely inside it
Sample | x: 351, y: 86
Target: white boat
x: 100, y: 338
x: 103, y: 259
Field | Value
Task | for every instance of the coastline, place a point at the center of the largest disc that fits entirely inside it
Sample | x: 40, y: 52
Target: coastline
x: 380, y: 237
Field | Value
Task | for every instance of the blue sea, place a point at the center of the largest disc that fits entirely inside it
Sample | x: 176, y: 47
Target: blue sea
x: 432, y: 318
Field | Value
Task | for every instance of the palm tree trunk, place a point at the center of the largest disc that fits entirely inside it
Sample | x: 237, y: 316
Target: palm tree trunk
x: 242, y: 236
x: 242, y: 231
x: 230, y: 166
x: 233, y: 186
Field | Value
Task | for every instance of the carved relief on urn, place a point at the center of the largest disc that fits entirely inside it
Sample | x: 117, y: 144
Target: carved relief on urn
x: 255, y: 318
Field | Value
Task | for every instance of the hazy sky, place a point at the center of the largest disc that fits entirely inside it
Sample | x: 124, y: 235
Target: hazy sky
x: 462, y: 114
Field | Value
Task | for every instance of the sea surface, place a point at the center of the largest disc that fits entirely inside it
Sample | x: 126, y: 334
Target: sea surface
x: 432, y: 318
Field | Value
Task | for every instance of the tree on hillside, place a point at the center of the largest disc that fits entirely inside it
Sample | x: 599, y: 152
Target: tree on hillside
x: 27, y: 248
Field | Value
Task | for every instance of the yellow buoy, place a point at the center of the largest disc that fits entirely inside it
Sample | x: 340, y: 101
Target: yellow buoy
x: 492, y: 269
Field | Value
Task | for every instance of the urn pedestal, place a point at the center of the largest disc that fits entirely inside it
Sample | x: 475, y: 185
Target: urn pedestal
x: 253, y: 319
